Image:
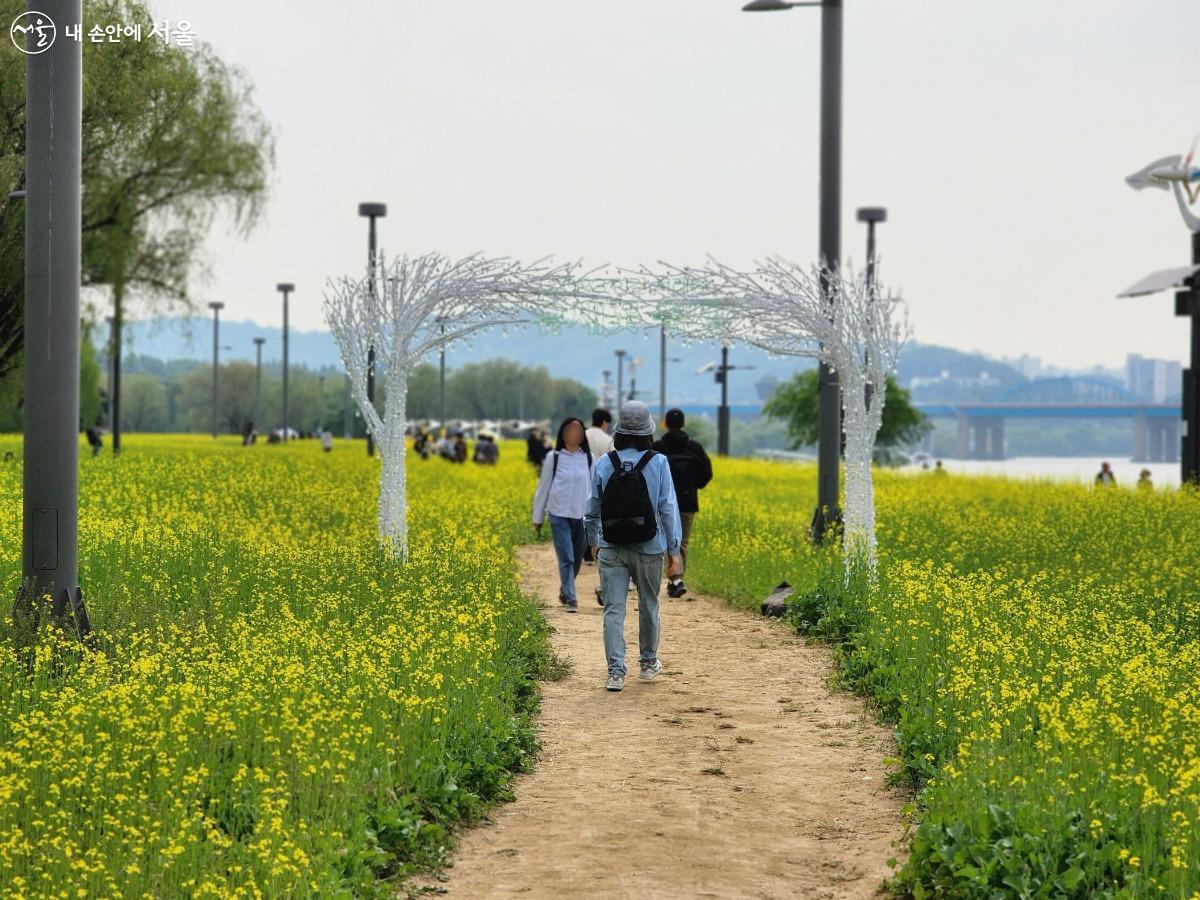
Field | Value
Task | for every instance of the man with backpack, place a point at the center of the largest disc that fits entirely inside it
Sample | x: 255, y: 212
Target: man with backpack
x: 691, y: 470
x: 632, y: 521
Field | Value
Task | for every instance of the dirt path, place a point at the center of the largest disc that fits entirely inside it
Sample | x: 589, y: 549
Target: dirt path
x: 739, y: 773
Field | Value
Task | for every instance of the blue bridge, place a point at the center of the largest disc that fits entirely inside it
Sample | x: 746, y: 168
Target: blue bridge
x: 981, y: 423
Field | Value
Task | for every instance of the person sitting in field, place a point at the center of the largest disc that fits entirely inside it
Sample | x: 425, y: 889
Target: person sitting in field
x: 1105, y: 477
x: 1145, y: 481
x: 486, y: 450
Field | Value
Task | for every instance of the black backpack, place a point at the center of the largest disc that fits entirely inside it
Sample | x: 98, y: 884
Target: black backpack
x: 627, y: 514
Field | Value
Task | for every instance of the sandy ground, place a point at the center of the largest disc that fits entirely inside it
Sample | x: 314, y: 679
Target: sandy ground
x: 738, y: 773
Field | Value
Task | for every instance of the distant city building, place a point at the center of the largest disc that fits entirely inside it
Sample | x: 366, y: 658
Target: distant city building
x: 1028, y: 365
x: 1155, y: 380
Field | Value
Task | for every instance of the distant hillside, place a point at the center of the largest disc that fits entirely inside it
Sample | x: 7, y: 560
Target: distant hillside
x: 573, y: 353
x: 933, y: 372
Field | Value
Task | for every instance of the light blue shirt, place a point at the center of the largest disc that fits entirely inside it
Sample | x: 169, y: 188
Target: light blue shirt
x: 662, y: 494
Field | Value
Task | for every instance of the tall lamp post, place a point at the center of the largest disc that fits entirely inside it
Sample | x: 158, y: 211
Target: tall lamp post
x: 620, y: 380
x: 50, y: 504
x: 442, y: 376
x: 321, y: 401
x: 285, y: 288
x: 371, y: 211
x: 663, y: 359
x: 216, y: 308
x: 258, y: 345
x: 829, y: 407
x: 721, y: 372
x: 1177, y: 174
x: 872, y: 215
x: 607, y: 373
x: 112, y: 342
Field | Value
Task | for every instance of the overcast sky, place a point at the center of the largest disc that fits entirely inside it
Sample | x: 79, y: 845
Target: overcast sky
x: 998, y: 133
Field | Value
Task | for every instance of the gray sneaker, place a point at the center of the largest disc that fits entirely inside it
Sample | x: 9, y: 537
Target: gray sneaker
x: 615, y: 683
x: 649, y: 673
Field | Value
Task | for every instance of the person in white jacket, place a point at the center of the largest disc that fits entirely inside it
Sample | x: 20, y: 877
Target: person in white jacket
x: 561, y: 493
x: 599, y: 437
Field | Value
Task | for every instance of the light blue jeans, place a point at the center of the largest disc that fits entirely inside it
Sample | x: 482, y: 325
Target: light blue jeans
x: 617, y: 566
x: 568, y: 547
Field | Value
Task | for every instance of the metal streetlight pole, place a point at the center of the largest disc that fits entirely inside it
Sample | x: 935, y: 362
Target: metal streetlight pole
x: 348, y: 419
x: 721, y: 372
x: 871, y: 215
x: 607, y: 373
x: 442, y: 375
x: 663, y: 359
x: 216, y: 308
x: 285, y: 288
x: 321, y: 400
x: 371, y: 211
x: 829, y: 407
x: 258, y: 345
x: 662, y: 374
x: 723, y: 409
x: 112, y: 342
x: 620, y: 380
x: 50, y: 507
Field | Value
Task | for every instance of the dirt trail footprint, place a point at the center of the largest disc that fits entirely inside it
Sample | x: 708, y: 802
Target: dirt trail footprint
x: 739, y: 773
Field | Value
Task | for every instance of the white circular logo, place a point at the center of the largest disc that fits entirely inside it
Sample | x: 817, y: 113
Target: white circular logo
x: 32, y: 32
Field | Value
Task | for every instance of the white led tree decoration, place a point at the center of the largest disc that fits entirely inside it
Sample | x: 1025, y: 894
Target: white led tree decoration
x: 838, y: 317
x: 419, y: 305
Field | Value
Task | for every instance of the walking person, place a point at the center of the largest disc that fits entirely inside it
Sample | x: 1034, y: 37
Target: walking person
x: 632, y: 522
x: 600, y: 442
x: 598, y: 437
x: 691, y: 471
x: 562, y: 493
x: 535, y: 449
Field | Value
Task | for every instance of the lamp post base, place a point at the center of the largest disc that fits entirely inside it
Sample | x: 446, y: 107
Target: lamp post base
x: 824, y: 520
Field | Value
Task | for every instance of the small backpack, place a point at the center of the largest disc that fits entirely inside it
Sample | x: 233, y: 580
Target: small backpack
x: 627, y: 514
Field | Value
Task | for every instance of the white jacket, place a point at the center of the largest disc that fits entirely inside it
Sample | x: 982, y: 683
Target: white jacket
x: 563, y: 488
x: 599, y: 442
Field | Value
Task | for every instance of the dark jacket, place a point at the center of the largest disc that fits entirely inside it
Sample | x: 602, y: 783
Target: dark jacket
x: 691, y: 469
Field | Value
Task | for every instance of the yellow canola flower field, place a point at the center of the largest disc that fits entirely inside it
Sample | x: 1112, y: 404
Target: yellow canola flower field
x: 1037, y: 646
x: 274, y: 707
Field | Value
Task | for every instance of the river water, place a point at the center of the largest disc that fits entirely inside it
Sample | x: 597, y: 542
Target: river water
x: 1081, y: 468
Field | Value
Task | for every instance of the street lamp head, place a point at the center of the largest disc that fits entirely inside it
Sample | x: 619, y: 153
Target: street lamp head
x: 260, y: 341
x: 216, y: 306
x: 372, y: 210
x: 16, y: 195
x: 285, y: 287
x: 772, y: 5
x: 872, y: 214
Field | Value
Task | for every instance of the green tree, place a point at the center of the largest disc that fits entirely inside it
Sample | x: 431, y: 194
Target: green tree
x: 796, y: 403
x: 170, y: 140
x: 145, y: 407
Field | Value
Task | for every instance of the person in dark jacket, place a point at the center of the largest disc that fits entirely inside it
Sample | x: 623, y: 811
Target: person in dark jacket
x: 691, y: 470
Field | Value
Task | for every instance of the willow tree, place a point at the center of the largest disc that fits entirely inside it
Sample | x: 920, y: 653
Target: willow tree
x: 171, y: 140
